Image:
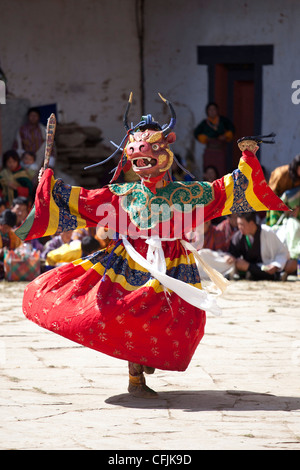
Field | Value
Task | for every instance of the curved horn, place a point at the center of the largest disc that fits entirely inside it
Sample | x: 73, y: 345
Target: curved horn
x: 119, y: 148
x: 172, y: 122
x: 127, y: 127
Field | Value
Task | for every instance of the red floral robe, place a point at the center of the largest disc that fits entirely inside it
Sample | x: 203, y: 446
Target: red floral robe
x: 110, y: 302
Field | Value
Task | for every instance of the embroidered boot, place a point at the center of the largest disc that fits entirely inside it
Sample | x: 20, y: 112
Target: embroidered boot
x: 137, y: 383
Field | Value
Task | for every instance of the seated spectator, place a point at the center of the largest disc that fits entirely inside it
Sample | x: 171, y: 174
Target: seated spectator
x: 210, y: 173
x: 287, y: 224
x: 20, y: 206
x: 8, y: 238
x: 89, y: 245
x: 256, y: 251
x: 285, y: 177
x: 66, y: 253
x: 14, y: 180
x: 71, y: 250
x: 56, y: 242
x: 79, y: 233
x: 214, y: 239
x: 228, y: 226
x: 212, y: 247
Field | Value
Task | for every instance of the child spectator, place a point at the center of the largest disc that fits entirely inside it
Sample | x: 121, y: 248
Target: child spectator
x: 14, y: 180
x: 7, y: 235
x: 28, y: 162
x: 8, y: 239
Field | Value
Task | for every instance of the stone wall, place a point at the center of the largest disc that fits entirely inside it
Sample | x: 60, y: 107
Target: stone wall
x: 85, y: 56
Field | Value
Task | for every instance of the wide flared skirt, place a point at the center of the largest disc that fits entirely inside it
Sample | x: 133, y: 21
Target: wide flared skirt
x: 109, y: 303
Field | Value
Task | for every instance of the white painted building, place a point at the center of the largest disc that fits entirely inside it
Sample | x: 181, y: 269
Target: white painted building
x: 86, y: 56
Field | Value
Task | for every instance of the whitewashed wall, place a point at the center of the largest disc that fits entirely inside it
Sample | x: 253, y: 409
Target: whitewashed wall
x: 173, y: 35
x: 84, y: 55
x: 81, y: 54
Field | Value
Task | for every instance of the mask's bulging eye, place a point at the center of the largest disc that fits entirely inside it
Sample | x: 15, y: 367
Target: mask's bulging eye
x: 155, y: 147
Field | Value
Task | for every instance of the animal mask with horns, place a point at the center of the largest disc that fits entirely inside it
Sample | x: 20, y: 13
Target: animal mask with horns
x: 146, y: 146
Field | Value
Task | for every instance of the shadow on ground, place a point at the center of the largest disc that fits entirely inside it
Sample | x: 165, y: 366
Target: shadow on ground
x: 210, y: 400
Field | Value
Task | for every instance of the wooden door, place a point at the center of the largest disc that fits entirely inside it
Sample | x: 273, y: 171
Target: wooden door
x: 235, y: 95
x: 241, y: 94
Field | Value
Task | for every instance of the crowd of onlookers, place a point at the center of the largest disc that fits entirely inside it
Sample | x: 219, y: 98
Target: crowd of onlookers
x: 242, y: 247
x: 239, y: 245
x: 18, y: 182
x: 53, y: 251
x: 252, y: 245
x: 259, y: 245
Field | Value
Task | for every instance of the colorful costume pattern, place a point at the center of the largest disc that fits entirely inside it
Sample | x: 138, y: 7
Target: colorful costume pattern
x: 110, y: 302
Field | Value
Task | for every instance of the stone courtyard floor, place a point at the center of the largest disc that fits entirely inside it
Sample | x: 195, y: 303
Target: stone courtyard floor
x: 240, y: 392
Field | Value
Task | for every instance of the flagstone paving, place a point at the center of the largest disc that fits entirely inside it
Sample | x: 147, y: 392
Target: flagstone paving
x: 241, y: 390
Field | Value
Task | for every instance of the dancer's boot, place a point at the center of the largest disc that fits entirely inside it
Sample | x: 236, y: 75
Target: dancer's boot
x: 137, y: 383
